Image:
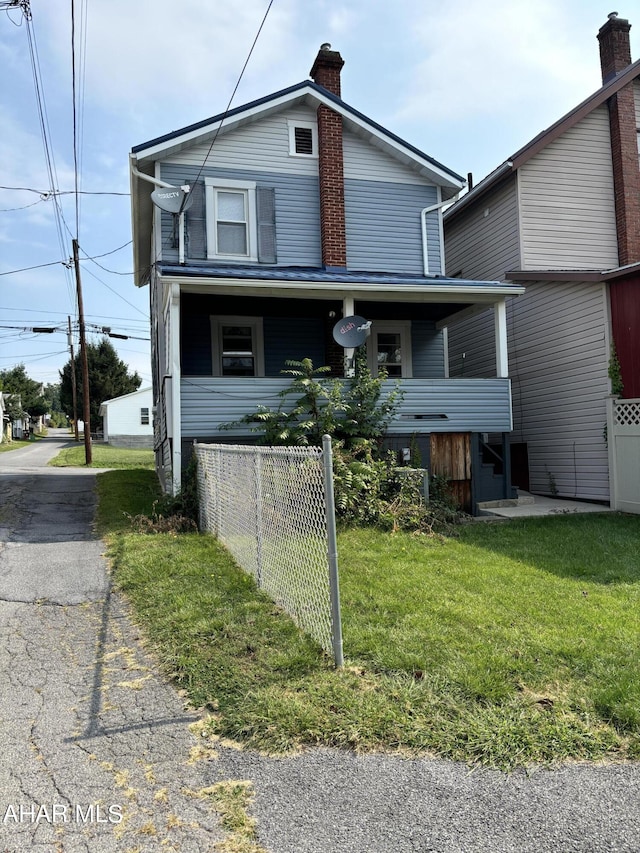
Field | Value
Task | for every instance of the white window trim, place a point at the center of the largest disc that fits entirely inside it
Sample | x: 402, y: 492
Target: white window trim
x: 403, y: 327
x: 216, y: 342
x: 292, y: 123
x: 249, y: 188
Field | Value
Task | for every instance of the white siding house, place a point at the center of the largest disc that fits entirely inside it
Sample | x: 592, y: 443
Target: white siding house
x: 560, y: 216
x: 128, y: 420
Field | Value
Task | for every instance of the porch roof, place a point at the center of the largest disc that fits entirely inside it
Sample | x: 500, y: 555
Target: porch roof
x: 337, y: 279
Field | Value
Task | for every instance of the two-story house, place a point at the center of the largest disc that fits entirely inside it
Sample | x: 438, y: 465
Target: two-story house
x: 300, y: 212
x: 562, y: 217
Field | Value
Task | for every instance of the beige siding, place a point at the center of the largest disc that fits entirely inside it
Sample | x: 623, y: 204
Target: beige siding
x: 567, y: 213
x: 558, y: 357
x: 482, y: 243
x: 261, y: 146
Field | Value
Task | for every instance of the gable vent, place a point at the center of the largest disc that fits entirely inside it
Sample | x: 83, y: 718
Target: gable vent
x: 303, y: 140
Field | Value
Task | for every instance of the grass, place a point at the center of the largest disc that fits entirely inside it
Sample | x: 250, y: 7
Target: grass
x: 510, y: 645
x: 16, y: 444
x: 104, y: 456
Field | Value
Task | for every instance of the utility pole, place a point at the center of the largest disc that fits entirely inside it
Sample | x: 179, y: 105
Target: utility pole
x: 86, y: 414
x: 74, y: 388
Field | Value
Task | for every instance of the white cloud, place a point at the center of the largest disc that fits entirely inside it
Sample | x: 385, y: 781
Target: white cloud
x: 490, y: 58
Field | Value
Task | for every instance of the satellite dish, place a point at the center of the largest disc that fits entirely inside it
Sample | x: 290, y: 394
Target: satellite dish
x: 351, y: 331
x: 172, y: 199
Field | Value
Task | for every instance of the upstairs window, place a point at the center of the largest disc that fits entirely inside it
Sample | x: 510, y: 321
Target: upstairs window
x: 303, y: 138
x: 231, y: 220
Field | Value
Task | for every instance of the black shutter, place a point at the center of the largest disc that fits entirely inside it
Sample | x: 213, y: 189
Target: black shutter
x: 266, y: 212
x: 196, y: 243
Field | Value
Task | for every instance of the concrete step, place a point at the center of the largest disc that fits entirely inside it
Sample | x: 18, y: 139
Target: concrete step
x: 523, y: 499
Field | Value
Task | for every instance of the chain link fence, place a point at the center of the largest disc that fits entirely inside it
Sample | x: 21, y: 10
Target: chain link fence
x: 272, y: 508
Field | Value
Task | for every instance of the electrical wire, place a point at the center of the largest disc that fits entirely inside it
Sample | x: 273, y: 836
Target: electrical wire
x: 61, y: 192
x: 45, y: 133
x: 135, y: 307
x: 165, y: 243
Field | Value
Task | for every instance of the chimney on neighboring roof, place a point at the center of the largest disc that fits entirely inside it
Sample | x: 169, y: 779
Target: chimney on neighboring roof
x: 615, y: 47
x: 326, y: 73
x: 615, y: 57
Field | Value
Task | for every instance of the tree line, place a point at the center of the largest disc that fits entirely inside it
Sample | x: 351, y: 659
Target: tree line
x: 109, y: 377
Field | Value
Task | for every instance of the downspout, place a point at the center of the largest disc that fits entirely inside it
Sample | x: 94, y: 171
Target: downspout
x: 423, y: 226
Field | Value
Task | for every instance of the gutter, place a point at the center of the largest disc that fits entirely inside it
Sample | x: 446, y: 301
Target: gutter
x: 480, y: 189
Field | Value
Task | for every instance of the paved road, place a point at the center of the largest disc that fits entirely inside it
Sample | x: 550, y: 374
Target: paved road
x: 92, y: 735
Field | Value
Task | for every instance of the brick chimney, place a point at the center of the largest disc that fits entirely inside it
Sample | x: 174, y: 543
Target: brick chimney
x: 615, y: 48
x: 615, y: 56
x: 326, y: 73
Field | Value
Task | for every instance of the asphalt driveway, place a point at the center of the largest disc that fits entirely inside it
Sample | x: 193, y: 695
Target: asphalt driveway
x: 101, y: 754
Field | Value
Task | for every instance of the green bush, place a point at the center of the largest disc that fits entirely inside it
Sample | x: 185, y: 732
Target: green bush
x: 369, y: 487
x: 349, y: 410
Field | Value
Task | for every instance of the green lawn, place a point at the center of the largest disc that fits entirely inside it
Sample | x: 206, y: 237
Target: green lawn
x: 508, y: 645
x: 16, y: 444
x: 104, y: 456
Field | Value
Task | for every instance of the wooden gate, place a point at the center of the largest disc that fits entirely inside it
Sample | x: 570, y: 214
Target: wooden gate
x: 450, y: 454
x: 623, y: 439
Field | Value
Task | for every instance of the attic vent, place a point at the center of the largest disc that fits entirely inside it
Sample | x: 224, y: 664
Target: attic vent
x: 303, y: 138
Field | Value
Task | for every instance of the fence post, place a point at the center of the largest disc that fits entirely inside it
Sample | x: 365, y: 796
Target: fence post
x: 332, y: 552
x: 257, y: 468
x: 611, y: 451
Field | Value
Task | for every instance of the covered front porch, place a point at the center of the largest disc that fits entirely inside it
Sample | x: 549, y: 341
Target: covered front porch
x: 230, y: 338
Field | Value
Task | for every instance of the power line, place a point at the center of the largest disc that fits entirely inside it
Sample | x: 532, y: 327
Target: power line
x: 61, y: 192
x: 36, y: 267
x: 135, y: 307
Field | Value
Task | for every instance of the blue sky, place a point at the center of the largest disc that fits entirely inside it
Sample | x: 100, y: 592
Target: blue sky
x: 467, y: 81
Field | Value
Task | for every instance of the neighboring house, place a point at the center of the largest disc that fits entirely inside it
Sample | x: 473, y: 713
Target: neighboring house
x: 15, y: 421
x: 5, y: 420
x: 562, y: 217
x: 303, y: 211
x: 127, y: 421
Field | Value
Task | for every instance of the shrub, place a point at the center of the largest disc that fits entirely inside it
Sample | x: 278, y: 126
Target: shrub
x: 349, y: 410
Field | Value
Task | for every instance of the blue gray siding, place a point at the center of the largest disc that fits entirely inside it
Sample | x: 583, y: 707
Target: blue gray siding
x: 297, y: 211
x: 296, y: 339
x: 427, y: 350
x: 383, y: 226
x: 429, y: 405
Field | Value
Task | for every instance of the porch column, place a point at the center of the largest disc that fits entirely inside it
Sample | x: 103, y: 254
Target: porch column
x: 174, y: 366
x: 348, y: 309
x: 500, y: 321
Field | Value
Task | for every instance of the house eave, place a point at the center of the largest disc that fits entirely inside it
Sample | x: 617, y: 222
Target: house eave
x: 310, y: 93
x: 574, y: 275
x: 444, y: 290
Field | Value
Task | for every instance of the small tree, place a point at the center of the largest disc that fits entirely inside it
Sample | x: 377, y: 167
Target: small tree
x: 31, y: 399
x: 349, y: 410
x: 109, y: 377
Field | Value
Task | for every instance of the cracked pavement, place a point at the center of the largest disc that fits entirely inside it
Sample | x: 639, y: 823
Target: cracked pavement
x: 100, y: 754
x: 97, y: 750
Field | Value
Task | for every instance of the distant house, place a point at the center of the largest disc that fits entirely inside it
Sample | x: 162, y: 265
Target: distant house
x: 128, y: 420
x: 300, y: 211
x: 562, y: 217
